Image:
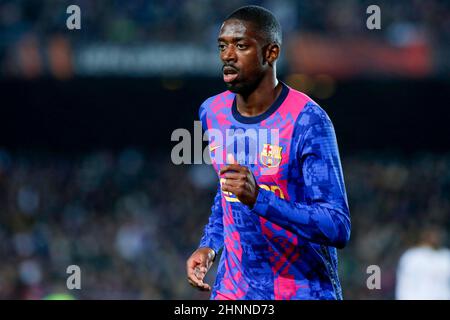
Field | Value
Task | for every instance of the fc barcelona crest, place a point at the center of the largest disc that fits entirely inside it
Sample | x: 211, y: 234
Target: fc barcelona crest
x: 270, y: 156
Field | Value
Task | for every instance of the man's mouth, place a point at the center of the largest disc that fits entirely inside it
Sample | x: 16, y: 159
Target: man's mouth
x: 229, y: 74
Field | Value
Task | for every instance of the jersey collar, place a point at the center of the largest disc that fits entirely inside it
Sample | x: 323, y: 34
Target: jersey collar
x: 274, y: 107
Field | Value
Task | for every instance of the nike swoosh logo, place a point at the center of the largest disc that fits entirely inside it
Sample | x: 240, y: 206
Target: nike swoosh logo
x: 211, y: 149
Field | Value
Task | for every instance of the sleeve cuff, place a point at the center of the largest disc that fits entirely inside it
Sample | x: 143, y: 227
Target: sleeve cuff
x: 263, y: 200
x: 209, y: 244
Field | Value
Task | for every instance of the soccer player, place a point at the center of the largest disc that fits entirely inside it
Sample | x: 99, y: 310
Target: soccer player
x: 278, y: 219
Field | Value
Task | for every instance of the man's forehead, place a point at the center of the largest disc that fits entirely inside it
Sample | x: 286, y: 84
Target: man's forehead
x: 236, y: 29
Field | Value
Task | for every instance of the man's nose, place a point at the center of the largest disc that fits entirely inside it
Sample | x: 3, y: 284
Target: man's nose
x: 229, y: 54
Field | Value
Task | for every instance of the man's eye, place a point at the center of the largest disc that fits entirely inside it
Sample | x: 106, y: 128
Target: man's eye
x: 241, y: 46
x: 221, y: 47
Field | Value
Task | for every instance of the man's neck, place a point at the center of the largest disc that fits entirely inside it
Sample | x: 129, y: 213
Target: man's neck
x: 260, y: 99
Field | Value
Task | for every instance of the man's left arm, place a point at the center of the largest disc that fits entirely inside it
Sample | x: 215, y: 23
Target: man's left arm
x: 322, y: 216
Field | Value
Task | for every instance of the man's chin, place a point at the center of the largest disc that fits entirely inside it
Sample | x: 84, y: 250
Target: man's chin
x: 242, y: 87
x: 235, y: 87
x: 231, y: 87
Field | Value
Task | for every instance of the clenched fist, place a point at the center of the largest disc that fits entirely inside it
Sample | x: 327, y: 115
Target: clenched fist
x: 239, y: 180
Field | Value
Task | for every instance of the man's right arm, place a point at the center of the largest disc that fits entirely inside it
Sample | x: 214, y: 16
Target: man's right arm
x: 211, y: 242
x: 213, y: 231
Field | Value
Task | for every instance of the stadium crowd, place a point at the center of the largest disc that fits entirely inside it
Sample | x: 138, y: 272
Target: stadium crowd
x: 130, y: 219
x: 28, y: 27
x: 198, y: 20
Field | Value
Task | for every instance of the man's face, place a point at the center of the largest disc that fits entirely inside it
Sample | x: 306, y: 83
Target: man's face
x: 242, y: 55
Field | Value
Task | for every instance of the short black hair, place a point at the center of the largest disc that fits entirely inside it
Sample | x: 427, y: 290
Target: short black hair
x: 263, y: 19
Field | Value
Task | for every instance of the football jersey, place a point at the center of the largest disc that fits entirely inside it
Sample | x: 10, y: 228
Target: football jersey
x: 285, y: 246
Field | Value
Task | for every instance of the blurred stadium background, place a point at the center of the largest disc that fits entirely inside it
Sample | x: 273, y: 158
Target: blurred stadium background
x: 87, y: 115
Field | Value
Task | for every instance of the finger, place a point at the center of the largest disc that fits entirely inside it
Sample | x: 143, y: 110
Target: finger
x: 194, y: 284
x: 234, y: 183
x: 231, y: 167
x: 200, y: 273
x: 192, y: 278
x: 191, y: 264
x: 234, y: 176
x: 205, y: 287
x: 199, y: 285
x: 205, y: 269
x: 232, y: 189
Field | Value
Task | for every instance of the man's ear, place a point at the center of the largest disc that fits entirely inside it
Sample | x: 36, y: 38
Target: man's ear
x: 272, y: 53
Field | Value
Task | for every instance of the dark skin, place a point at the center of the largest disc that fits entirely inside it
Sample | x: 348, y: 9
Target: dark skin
x: 250, y: 60
x: 243, y: 48
x: 239, y: 180
x: 198, y: 265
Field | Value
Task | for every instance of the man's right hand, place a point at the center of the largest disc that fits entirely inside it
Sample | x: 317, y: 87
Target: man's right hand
x: 198, y: 265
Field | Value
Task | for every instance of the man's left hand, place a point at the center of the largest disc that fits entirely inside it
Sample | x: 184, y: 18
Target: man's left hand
x: 239, y: 180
